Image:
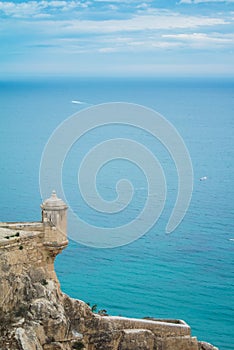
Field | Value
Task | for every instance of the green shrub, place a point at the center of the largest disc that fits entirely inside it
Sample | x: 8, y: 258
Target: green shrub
x: 94, y: 308
x: 6, y: 319
x: 21, y: 311
x: 44, y: 282
x: 50, y: 340
x: 15, y: 235
x: 102, y: 312
x: 78, y: 345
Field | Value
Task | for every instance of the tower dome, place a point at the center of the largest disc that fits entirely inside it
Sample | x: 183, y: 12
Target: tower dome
x: 54, y: 202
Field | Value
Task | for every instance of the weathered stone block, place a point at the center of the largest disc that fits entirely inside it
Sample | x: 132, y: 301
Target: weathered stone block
x: 140, y: 339
x: 177, y: 343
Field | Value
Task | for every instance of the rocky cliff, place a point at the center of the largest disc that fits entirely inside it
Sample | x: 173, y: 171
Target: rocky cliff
x: 36, y: 315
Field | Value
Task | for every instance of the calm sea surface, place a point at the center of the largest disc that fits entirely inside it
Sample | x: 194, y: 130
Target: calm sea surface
x: 188, y: 274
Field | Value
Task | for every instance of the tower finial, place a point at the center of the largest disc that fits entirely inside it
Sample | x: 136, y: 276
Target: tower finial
x: 53, y: 194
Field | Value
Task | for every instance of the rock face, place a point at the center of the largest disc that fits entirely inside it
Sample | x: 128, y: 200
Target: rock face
x: 36, y: 315
x: 206, y: 346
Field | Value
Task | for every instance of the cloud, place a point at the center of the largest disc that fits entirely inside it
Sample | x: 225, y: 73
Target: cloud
x: 143, y: 6
x: 27, y: 9
x: 137, y: 23
x: 38, y: 8
x: 144, y: 43
x: 113, y: 7
x: 115, y: 33
x: 132, y: 2
x: 204, y: 1
x: 151, y: 32
x: 137, y: 46
x: 86, y: 9
x: 20, y: 9
x: 108, y: 49
x: 202, y: 37
x: 201, y: 40
x: 155, y: 20
x: 33, y: 7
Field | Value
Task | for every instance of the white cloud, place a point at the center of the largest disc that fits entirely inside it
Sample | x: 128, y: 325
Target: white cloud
x: 165, y: 44
x: 136, y: 23
x: 108, y: 49
x: 123, y: 1
x: 145, y: 43
x: 139, y: 23
x: 55, y: 3
x: 41, y: 8
x: 20, y: 9
x: 150, y: 32
x: 217, y: 38
x: 204, y: 1
x: 154, y: 30
x: 202, y: 40
x: 143, y: 6
x: 38, y: 8
x: 113, y: 7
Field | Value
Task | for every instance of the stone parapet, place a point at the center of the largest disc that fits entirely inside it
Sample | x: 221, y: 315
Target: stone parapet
x: 158, y: 328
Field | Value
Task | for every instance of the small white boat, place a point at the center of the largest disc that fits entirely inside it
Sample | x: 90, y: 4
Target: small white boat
x: 77, y: 102
x: 203, y: 178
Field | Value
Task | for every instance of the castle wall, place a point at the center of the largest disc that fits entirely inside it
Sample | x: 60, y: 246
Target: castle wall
x: 23, y: 252
x: 36, y: 315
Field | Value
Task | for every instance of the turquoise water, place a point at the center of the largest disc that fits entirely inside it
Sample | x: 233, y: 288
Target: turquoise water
x: 188, y: 274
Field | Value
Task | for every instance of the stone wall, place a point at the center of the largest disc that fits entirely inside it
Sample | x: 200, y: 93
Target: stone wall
x: 36, y: 315
x: 22, y: 252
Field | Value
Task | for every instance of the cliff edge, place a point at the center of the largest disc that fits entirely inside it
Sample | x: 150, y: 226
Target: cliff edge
x: 36, y: 315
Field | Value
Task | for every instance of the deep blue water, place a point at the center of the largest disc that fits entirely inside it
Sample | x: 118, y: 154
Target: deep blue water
x: 188, y: 274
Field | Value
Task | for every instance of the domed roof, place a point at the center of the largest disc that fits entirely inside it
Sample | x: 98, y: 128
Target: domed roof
x: 54, y: 202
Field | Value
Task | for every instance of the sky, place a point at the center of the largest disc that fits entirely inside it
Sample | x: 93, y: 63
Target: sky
x: 133, y: 38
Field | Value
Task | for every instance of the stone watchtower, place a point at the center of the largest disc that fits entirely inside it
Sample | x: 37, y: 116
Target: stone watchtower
x: 54, y: 219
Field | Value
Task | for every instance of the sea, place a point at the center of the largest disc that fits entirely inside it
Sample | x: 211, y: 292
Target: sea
x: 187, y: 274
